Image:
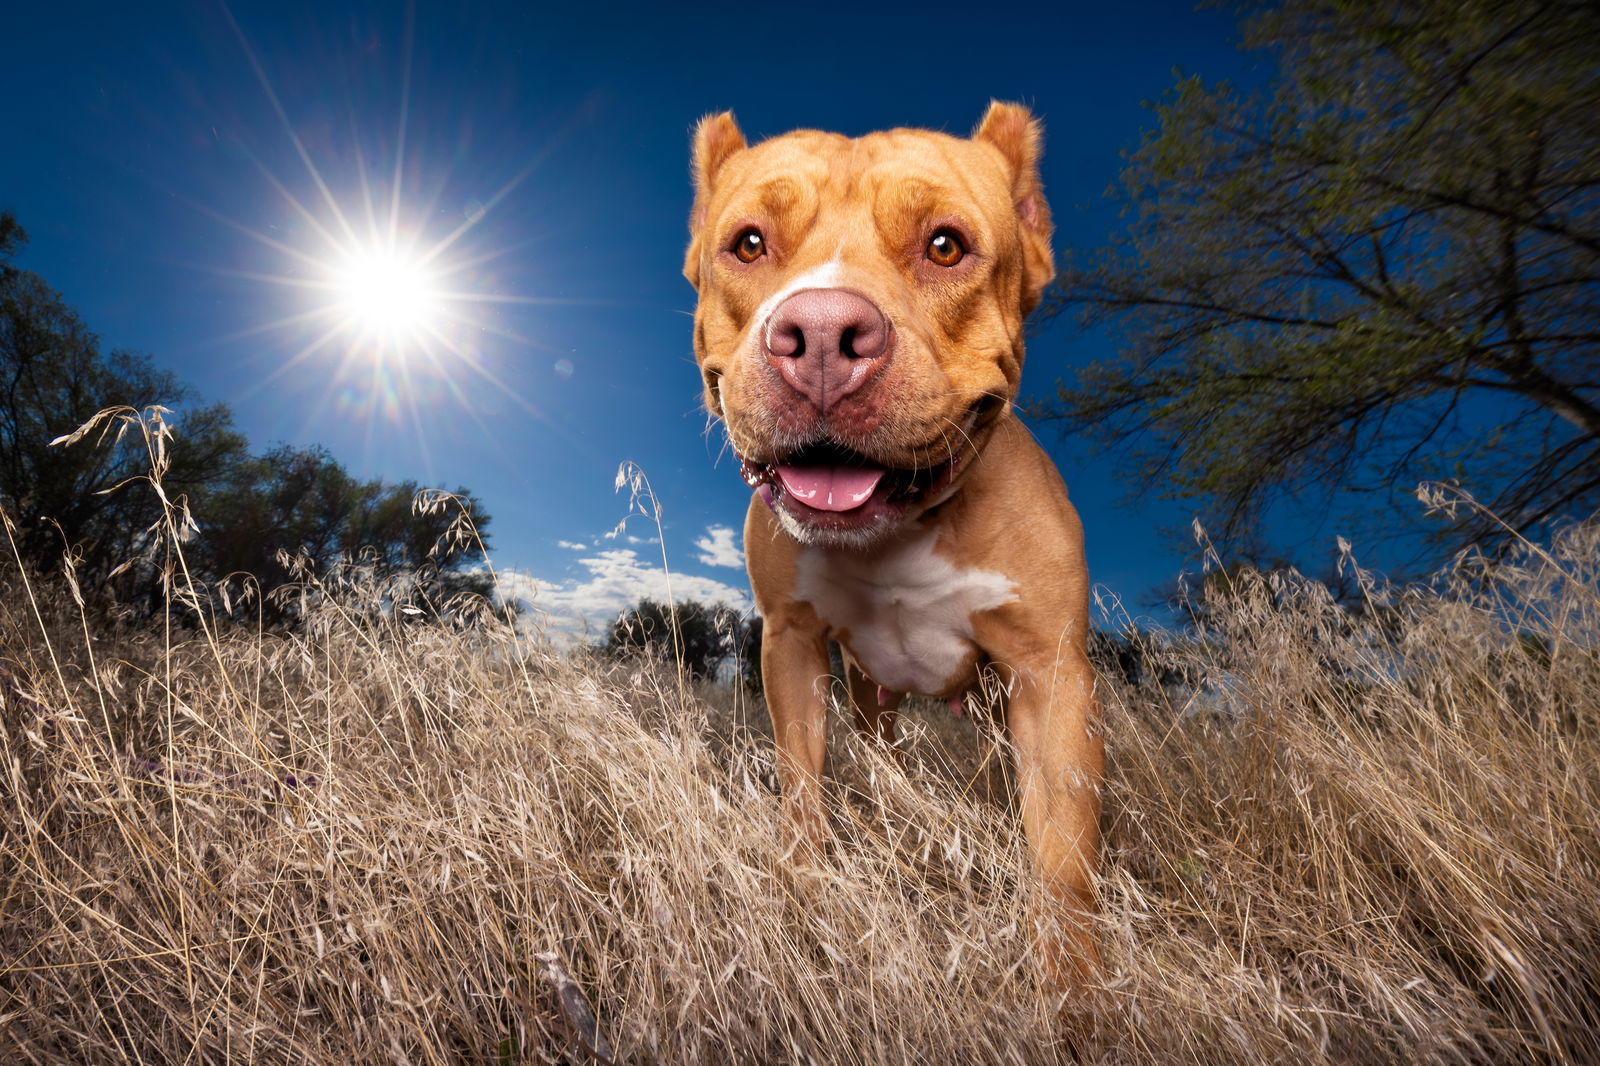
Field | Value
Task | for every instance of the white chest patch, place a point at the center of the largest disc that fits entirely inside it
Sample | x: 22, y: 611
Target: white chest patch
x: 908, y: 611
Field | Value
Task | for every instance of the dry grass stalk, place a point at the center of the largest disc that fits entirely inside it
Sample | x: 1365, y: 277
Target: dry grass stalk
x: 1349, y: 837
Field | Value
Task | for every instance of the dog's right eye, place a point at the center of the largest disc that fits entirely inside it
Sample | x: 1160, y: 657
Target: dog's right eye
x: 945, y: 248
x: 749, y: 246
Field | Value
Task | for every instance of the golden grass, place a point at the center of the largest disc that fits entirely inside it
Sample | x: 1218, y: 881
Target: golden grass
x: 1363, y: 838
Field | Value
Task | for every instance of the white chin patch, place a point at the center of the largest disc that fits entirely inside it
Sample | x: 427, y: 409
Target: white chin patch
x: 847, y: 539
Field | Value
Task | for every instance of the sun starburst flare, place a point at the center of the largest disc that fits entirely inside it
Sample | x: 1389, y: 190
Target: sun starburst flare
x: 381, y: 279
x: 387, y: 295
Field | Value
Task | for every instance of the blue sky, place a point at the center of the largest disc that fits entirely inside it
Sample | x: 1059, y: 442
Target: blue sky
x: 187, y: 172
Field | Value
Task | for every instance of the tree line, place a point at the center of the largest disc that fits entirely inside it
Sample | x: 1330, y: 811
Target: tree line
x: 701, y: 639
x: 272, y: 515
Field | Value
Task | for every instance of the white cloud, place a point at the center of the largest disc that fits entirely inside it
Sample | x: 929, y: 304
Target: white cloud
x: 581, y: 609
x: 717, y: 547
x: 573, y: 545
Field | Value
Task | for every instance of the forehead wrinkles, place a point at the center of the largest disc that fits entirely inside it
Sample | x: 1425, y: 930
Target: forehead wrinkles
x: 901, y: 203
x: 958, y: 176
x: 779, y: 199
x: 942, y: 186
x: 831, y: 185
x: 899, y: 199
x: 775, y: 184
x: 782, y: 197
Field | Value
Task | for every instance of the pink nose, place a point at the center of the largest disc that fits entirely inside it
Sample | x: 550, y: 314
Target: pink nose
x: 827, y: 343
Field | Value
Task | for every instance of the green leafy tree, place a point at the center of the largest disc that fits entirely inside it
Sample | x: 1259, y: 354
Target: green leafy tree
x: 54, y: 377
x: 430, y: 537
x: 300, y: 506
x: 698, y: 636
x: 1380, y: 268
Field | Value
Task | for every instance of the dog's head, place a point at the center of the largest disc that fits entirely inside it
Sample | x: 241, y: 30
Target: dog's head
x: 861, y: 306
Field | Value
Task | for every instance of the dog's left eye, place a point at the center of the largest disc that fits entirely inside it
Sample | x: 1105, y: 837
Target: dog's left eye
x: 749, y: 246
x: 945, y: 248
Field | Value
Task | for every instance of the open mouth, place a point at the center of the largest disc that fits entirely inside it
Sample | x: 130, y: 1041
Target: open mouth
x: 830, y: 486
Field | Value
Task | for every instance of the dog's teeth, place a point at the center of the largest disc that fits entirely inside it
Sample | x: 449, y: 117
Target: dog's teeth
x: 754, y: 474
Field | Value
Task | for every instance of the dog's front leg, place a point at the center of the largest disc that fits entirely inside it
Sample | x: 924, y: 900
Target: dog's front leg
x: 794, y: 673
x: 1054, y: 720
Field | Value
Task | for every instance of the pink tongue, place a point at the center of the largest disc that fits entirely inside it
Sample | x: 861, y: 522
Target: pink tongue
x: 830, y: 488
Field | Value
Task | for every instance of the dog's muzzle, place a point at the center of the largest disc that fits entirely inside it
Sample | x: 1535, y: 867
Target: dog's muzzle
x: 827, y: 344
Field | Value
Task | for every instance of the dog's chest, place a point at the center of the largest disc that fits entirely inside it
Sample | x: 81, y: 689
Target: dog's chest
x: 906, y: 613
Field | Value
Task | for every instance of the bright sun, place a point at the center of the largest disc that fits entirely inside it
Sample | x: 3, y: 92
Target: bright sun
x: 387, y: 295
x: 404, y: 296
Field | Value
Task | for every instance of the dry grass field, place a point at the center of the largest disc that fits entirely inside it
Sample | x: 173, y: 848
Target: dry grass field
x: 1331, y: 837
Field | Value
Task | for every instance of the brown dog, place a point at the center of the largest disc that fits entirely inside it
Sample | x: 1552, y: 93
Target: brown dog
x: 859, y: 331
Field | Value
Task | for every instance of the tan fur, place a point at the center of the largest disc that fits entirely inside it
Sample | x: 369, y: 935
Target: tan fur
x: 862, y: 210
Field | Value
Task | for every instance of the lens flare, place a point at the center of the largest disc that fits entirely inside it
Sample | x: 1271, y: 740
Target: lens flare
x: 389, y: 298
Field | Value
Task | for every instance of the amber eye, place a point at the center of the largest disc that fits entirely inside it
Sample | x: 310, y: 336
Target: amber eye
x: 750, y: 246
x: 945, y: 248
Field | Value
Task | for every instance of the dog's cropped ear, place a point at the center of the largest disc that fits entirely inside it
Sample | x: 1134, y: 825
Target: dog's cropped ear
x: 715, y: 139
x: 1019, y: 137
